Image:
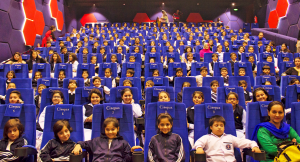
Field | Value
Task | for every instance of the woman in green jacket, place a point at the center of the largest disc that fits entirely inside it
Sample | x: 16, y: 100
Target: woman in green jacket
x: 273, y: 132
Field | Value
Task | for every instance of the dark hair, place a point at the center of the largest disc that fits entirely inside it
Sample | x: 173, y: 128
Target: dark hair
x: 269, y: 98
x: 266, y: 67
x: 273, y: 103
x: 74, y: 57
x: 58, y: 126
x: 73, y: 81
x: 216, y: 118
x: 203, y: 68
x: 111, y: 120
x: 163, y: 116
x: 52, y: 27
x: 242, y: 82
x: 179, y: 69
x: 125, y: 90
x: 232, y: 93
x: 13, y: 123
x: 127, y: 81
x: 13, y: 59
x: 224, y: 68
x: 200, y: 93
x: 293, y: 81
x: 96, y: 78
x: 130, y: 71
x: 14, y: 75
x: 214, y: 82
x: 31, y: 58
x: 59, y: 92
x: 150, y: 82
x: 58, y: 58
x: 189, y: 84
x: 96, y: 91
x: 16, y: 92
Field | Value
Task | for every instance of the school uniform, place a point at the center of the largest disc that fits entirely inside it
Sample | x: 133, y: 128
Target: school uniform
x: 220, y: 56
x: 253, y: 66
x: 179, y: 96
x: 55, y: 149
x: 37, y: 101
x: 240, y: 121
x: 106, y: 90
x: 226, y: 49
x: 190, y: 113
x: 84, y: 58
x: 87, y: 110
x: 60, y: 82
x: 94, y: 50
x: 199, y: 80
x: 226, y: 80
x: 247, y: 95
x: 189, y: 65
x: 222, y: 148
x: 105, y: 149
x: 71, y: 97
x: 166, y: 147
x: 232, y: 65
x: 87, y: 82
x: 7, y: 148
x: 211, y: 67
x: 113, y: 81
x: 213, y: 97
x: 34, y: 83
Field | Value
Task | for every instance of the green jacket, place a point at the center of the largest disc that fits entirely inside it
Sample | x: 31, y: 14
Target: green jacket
x: 268, y: 142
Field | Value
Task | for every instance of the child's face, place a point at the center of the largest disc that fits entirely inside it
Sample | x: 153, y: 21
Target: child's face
x: 72, y: 86
x: 113, y: 59
x: 155, y: 74
x: 11, y: 86
x: 224, y: 73
x: 13, y: 133
x: 10, y: 76
x: 268, y: 49
x: 136, y: 50
x: 171, y: 60
x: 214, y: 88
x: 40, y: 89
x: 111, y: 131
x: 179, y: 74
x: 233, y: 57
x: 164, y: 125
x: 217, y: 128
x: 64, y: 134
x: 266, y: 71
x: 102, y: 50
x: 190, y: 58
x: 107, y: 73
x: 14, y: 98
x: 259, y: 44
x: 220, y: 49
x: 171, y: 49
x: 105, y: 43
x: 152, y: 60
x: 85, y: 75
x: 203, y: 73
x: 269, y: 59
x: 148, y: 85
x: 62, y: 75
x: 95, y: 99
x: 128, y: 74
x: 163, y: 97
x: 232, y: 100
x: 127, y: 97
x: 97, y: 82
x: 197, y: 99
x: 132, y: 59
x: 94, y: 60
x: 251, y: 50
x: 244, y: 86
x: 85, y: 51
x: 127, y: 84
x: 56, y: 99
x: 268, y: 83
x: 251, y: 59
x: 215, y: 58
x: 242, y: 73
x: 241, y: 50
x: 286, y: 59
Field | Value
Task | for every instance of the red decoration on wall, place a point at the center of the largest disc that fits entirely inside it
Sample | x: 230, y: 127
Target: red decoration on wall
x: 88, y: 18
x: 194, y: 17
x: 56, y: 14
x: 280, y: 11
x: 141, y: 17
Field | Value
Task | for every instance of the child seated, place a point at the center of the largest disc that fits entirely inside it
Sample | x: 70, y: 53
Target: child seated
x: 219, y: 145
x: 159, y: 146
x: 37, y: 76
x: 254, y: 68
x: 108, y: 74
x: 152, y: 60
x: 285, y: 59
x: 214, y: 86
x: 131, y: 59
x: 9, y: 86
x: 61, y: 77
x: 179, y: 73
x: 61, y: 145
x: 114, y: 59
x: 85, y: 75
x: 38, y: 98
x: 225, y: 76
x: 72, y: 87
x: 232, y: 61
x: 94, y: 61
x: 198, y: 98
x: 163, y: 96
x: 9, y: 76
x: 12, y: 139
x: 215, y: 58
x: 270, y: 59
x: 15, y: 97
x: 109, y: 145
x: 127, y: 83
x: 97, y: 84
x: 239, y: 114
x: 85, y: 51
x: 155, y: 73
x: 130, y: 73
x: 248, y: 95
x: 267, y: 83
x: 266, y: 71
x: 242, y: 72
x: 179, y: 94
x: 203, y: 73
x: 188, y: 62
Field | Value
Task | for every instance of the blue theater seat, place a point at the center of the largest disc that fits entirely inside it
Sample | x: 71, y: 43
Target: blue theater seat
x: 136, y: 82
x: 283, y: 66
x: 260, y: 80
x: 282, y: 55
x: 180, y: 80
x: 80, y: 82
x: 105, y: 65
x: 21, y: 70
x: 72, y: 113
x: 156, y: 56
x: 207, y: 80
x: 131, y: 65
x: 44, y: 68
x: 174, y: 55
x: 22, y: 82
x: 26, y: 95
x: 48, y: 82
x: 152, y: 94
x: 3, y: 86
x: 208, y: 57
x: 67, y: 68
x: 245, y: 57
x: 89, y: 67
x: 284, y: 82
x: 295, y: 123
x: 273, y: 91
x: 158, y: 81
x: 234, y: 81
x: 260, y: 65
x: 46, y: 98
x: 150, y: 67
x: 222, y: 92
x: 247, y: 66
x: 263, y: 57
x: 98, y: 55
x: 173, y: 66
x: 195, y: 68
x: 82, y: 94
x: 115, y: 94
x: 178, y: 113
x: 219, y: 65
x: 187, y: 95
x: 227, y: 58
x: 137, y: 56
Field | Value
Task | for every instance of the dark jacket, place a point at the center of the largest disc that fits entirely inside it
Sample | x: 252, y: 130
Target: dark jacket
x: 38, y: 60
x: 37, y: 105
x: 166, y: 147
x: 179, y: 97
x: 291, y: 71
x: 88, y: 112
x: 247, y: 96
x: 71, y: 98
x: 54, y: 149
x: 190, y: 113
x: 238, y: 117
x: 119, y: 150
x: 20, y: 142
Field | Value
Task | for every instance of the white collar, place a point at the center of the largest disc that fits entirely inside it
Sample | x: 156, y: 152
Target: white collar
x: 218, y: 136
x: 70, y: 92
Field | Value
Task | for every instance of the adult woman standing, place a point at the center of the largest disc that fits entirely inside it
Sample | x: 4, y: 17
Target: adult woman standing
x: 274, y: 131
x: 164, y: 18
x: 49, y: 36
x: 293, y: 70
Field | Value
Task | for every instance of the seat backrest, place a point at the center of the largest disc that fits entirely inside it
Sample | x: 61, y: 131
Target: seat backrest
x: 208, y: 57
x: 260, y: 65
x: 227, y: 58
x: 294, y: 117
x: 44, y: 68
x: 119, y: 57
x: 247, y: 66
x: 292, y: 92
x: 26, y: 95
x: 219, y: 65
x: 4, y: 69
x: 67, y: 68
x: 22, y: 82
x: 283, y: 66
x: 71, y: 113
x: 173, y: 66
x: 105, y: 65
x: 195, y: 68
x: 180, y: 80
x: 149, y: 55
x: 123, y: 112
x: 174, y: 55
x: 246, y: 27
x: 82, y: 95
x: 137, y: 56
x: 273, y: 91
x: 260, y: 80
x: 245, y: 57
x: 136, y: 82
x: 222, y: 92
x: 187, y: 95
x: 281, y: 56
x: 263, y: 56
x: 285, y: 80
x: 234, y: 48
x: 131, y: 65
x: 21, y: 70
x: 48, y: 82
x: 207, y: 80
x: 150, y: 67
x: 234, y: 81
x: 152, y: 93
x: 3, y: 86
x: 178, y: 113
x: 158, y: 81
x: 46, y: 98
x: 26, y: 116
x: 80, y: 82
x: 89, y: 67
x: 115, y: 94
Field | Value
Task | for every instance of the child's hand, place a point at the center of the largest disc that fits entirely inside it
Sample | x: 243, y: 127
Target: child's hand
x: 132, y: 101
x: 60, y: 102
x: 136, y: 147
x: 256, y: 149
x: 188, y: 74
x: 294, y: 140
x: 200, y: 151
x: 77, y: 150
x: 20, y: 101
x: 188, y: 125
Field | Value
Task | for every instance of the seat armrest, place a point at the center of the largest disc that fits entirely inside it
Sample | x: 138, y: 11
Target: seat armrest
x: 25, y: 151
x: 78, y: 158
x: 256, y: 156
x: 140, y: 120
x: 137, y: 156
